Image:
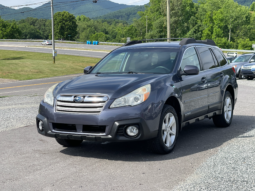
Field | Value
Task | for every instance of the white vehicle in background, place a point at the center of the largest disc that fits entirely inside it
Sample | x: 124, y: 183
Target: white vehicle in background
x: 47, y: 42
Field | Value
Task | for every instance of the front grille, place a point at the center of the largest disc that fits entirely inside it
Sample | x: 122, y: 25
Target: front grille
x: 64, y: 127
x: 247, y: 67
x: 88, y: 129
x: 93, y: 129
x: 80, y: 104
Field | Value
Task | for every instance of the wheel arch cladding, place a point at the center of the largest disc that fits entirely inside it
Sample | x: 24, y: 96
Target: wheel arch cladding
x: 173, y: 101
x: 230, y: 89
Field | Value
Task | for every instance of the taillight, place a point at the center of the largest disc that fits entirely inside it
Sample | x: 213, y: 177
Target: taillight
x: 233, y: 68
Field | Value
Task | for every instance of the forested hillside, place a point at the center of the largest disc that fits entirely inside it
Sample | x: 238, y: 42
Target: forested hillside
x: 87, y: 8
x: 241, y: 2
x: 128, y: 14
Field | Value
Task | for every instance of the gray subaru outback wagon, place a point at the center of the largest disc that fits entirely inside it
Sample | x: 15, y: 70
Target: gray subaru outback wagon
x: 142, y: 91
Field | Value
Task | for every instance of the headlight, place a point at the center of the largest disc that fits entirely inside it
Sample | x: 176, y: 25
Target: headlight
x: 48, y: 96
x: 253, y: 67
x: 134, y: 98
x: 242, y: 67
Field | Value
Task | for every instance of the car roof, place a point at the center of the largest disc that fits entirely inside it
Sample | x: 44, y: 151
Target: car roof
x: 173, y: 44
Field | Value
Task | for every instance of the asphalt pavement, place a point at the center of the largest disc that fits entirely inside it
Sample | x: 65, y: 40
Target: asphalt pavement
x: 205, y: 158
x: 31, y: 87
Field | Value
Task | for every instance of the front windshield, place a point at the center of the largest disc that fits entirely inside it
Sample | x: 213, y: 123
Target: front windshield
x: 244, y: 58
x: 139, y: 60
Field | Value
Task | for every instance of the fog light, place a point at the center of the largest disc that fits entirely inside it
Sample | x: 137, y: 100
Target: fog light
x: 132, y: 131
x: 40, y: 125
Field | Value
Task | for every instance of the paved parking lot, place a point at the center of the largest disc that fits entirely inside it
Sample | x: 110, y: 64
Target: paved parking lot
x: 205, y: 158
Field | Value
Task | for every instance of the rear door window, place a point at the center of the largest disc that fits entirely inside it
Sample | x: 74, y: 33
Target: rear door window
x: 206, y: 57
x: 221, y: 60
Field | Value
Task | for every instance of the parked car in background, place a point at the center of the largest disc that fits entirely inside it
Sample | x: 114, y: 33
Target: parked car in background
x: 142, y: 91
x: 232, y: 54
x: 47, y: 42
x: 248, y: 70
x: 230, y: 59
x: 240, y: 61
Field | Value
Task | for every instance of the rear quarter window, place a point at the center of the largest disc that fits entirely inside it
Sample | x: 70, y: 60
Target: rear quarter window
x: 221, y: 60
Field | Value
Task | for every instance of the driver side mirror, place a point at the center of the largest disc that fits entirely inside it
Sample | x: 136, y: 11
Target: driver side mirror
x: 190, y: 70
x: 87, y: 69
x: 252, y: 60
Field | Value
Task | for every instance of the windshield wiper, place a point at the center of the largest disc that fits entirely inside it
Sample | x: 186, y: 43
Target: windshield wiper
x: 131, y: 72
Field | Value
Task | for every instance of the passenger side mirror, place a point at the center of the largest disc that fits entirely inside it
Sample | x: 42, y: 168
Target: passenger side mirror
x: 252, y: 60
x: 190, y: 70
x: 87, y: 69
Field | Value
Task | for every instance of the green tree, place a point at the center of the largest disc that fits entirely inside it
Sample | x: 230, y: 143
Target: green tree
x: 252, y: 7
x: 65, y: 25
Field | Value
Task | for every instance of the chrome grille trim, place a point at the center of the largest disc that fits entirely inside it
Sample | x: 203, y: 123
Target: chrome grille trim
x: 80, y: 104
x: 90, y: 104
x: 79, y: 109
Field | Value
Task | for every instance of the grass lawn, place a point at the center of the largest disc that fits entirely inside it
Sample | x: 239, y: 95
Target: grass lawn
x: 29, y: 65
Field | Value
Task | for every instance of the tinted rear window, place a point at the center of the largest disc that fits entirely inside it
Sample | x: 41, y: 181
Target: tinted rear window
x: 206, y: 58
x: 220, y: 58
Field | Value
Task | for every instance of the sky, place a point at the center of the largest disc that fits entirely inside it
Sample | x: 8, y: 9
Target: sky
x: 23, y: 2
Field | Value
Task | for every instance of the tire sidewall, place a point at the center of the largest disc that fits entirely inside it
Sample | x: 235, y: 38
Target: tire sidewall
x: 166, y: 110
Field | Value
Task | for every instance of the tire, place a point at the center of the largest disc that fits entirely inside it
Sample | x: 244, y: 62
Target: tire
x: 166, y: 139
x: 225, y: 119
x: 69, y: 143
x: 250, y: 78
x: 240, y: 76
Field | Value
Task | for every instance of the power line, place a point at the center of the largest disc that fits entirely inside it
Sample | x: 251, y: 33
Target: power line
x: 25, y: 5
x: 61, y: 5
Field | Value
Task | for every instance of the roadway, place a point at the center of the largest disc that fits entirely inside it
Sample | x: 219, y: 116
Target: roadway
x: 31, y: 87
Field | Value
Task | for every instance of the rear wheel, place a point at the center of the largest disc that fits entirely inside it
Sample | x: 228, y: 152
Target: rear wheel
x: 168, y: 131
x: 69, y: 143
x: 225, y: 119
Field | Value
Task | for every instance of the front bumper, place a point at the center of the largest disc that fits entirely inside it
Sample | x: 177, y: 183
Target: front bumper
x: 248, y: 73
x: 115, y: 121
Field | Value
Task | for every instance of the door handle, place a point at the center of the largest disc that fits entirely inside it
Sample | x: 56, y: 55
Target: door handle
x: 203, y: 79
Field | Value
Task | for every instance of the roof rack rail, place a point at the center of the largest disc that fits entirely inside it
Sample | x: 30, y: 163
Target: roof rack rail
x: 145, y: 40
x: 192, y: 40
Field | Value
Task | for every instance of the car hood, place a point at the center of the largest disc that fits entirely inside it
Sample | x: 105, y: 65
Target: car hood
x: 238, y: 63
x: 250, y: 64
x: 113, y: 85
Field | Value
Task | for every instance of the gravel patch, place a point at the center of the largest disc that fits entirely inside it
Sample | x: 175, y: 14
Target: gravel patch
x: 18, y: 111
x: 2, y: 80
x: 232, y: 168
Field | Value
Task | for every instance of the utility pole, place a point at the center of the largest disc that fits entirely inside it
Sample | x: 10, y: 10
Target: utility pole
x: 146, y: 28
x: 168, y: 22
x: 52, y: 28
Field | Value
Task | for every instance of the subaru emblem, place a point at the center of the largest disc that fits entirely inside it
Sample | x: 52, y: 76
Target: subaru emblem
x: 78, y: 99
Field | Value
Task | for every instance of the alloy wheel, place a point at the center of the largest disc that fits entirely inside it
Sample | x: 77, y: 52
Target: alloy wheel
x: 169, y: 129
x: 228, y: 109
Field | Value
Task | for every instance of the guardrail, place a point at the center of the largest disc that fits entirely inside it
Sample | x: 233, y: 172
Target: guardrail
x: 235, y: 50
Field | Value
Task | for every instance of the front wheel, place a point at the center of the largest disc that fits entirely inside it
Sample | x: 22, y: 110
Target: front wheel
x: 168, y: 131
x: 240, y: 76
x: 225, y: 119
x: 250, y: 78
x: 68, y: 142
